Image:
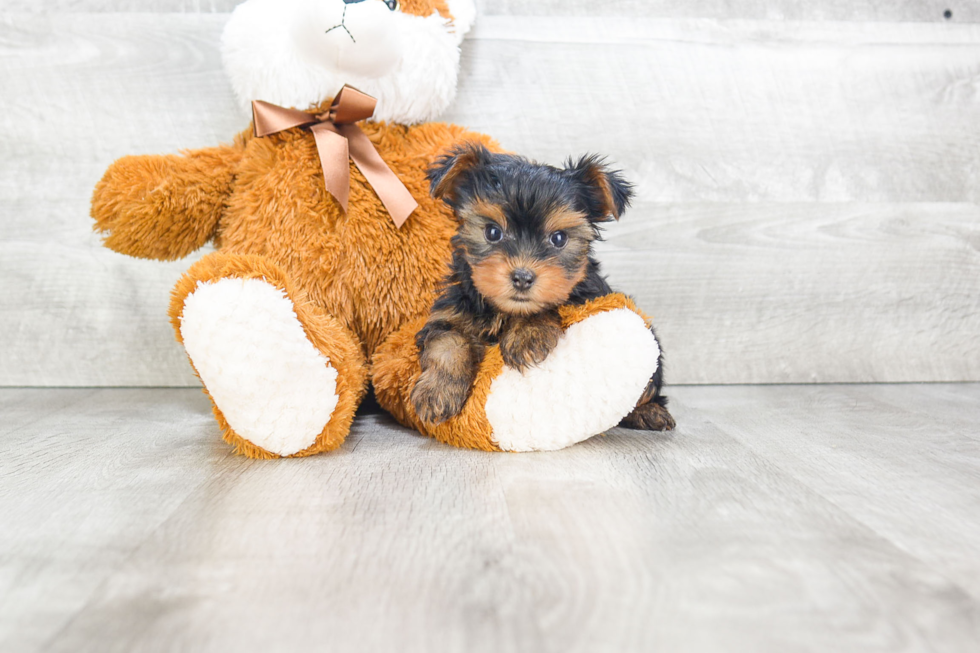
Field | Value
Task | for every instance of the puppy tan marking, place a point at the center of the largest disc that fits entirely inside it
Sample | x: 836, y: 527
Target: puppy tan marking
x: 492, y: 278
x: 488, y: 211
x: 466, y: 159
x: 449, y: 365
x: 565, y: 219
x: 554, y: 285
x: 596, y: 176
x: 528, y: 340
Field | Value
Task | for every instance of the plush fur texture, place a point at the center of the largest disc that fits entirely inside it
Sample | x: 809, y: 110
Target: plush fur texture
x: 297, y: 52
x: 396, y: 370
x: 584, y: 386
x: 281, y: 210
x: 273, y: 212
x: 250, y: 350
x: 165, y: 207
x: 265, y: 359
x: 290, y: 261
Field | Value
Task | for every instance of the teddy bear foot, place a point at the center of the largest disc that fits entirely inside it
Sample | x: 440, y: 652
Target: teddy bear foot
x: 284, y: 380
x: 584, y: 387
x: 588, y: 383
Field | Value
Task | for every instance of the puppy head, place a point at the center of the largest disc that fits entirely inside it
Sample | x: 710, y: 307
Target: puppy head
x: 526, y: 229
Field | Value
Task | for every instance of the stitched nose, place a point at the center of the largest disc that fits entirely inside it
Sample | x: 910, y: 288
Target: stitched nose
x: 522, y: 278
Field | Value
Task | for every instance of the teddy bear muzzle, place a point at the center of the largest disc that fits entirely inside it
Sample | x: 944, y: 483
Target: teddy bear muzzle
x: 354, y: 37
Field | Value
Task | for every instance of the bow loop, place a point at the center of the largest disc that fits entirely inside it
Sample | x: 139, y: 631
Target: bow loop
x: 337, y: 137
x: 351, y: 105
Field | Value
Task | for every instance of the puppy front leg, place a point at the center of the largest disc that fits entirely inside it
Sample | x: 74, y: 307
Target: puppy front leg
x: 528, y: 340
x: 449, y: 362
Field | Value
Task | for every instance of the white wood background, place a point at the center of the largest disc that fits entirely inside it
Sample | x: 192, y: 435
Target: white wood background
x: 807, y: 174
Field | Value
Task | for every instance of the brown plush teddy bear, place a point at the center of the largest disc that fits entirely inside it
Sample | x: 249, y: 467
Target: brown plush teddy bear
x: 303, y: 302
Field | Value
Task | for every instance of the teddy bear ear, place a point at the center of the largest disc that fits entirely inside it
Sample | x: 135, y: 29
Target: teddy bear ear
x: 451, y: 170
x: 605, y: 192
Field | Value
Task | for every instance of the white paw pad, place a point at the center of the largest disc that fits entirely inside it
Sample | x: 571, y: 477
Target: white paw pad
x: 272, y: 385
x: 590, y: 382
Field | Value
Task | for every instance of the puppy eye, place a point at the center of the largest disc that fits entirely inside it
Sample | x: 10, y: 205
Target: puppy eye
x: 493, y: 233
x: 392, y: 4
x: 558, y: 239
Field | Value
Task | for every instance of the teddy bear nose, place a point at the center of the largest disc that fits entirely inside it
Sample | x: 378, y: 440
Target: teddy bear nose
x: 522, y: 278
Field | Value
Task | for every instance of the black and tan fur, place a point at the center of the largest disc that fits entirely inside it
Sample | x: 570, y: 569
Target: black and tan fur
x: 523, y: 248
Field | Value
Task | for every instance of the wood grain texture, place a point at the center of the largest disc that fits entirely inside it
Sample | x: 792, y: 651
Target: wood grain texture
x: 832, y: 10
x: 773, y: 519
x: 829, y: 10
x: 805, y: 292
x: 141, y: 6
x: 732, y: 111
x: 83, y: 481
x: 79, y: 92
x: 918, y: 449
x: 806, y: 192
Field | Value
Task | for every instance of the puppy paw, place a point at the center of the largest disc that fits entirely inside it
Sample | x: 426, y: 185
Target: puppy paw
x: 528, y: 342
x: 436, y: 397
x: 649, y: 417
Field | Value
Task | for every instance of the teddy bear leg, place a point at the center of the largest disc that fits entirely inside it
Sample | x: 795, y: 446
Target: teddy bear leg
x: 587, y: 385
x: 284, y: 377
x: 395, y: 371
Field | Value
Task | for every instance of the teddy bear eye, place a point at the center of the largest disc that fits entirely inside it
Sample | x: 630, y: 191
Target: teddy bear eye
x: 392, y: 4
x: 493, y: 233
x: 558, y: 239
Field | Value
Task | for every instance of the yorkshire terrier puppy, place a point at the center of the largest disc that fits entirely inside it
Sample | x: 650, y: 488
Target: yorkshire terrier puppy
x: 524, y: 248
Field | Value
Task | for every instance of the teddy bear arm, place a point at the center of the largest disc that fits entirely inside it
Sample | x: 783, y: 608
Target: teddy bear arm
x: 164, y: 206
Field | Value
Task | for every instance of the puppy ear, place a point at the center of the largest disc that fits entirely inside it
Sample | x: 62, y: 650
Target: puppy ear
x: 451, y: 169
x: 605, y: 192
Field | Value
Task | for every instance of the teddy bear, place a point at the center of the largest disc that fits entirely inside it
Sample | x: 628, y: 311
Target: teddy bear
x: 312, y: 293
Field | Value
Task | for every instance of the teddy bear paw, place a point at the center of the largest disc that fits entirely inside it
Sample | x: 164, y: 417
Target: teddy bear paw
x: 274, y: 388
x: 586, y: 385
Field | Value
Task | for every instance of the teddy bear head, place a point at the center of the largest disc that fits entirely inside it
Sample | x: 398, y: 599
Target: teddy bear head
x: 298, y: 53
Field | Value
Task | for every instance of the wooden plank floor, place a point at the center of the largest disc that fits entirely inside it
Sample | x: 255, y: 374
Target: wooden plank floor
x: 776, y: 518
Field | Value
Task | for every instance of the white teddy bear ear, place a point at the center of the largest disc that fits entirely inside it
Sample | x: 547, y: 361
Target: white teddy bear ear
x: 464, y: 14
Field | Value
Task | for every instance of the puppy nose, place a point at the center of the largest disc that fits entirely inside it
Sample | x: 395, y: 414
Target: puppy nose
x: 522, y: 278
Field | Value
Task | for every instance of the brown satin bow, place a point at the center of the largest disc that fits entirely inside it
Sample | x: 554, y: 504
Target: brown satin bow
x: 337, y: 138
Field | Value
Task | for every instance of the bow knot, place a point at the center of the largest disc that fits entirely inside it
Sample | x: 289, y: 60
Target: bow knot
x: 337, y: 139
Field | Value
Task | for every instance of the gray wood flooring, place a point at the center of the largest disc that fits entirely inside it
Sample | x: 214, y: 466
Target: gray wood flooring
x: 807, y: 204
x: 776, y: 518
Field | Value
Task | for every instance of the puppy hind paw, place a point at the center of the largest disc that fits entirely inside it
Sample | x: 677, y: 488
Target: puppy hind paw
x: 649, y: 417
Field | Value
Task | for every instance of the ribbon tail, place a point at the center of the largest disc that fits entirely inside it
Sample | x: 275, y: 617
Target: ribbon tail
x: 386, y: 184
x: 334, y: 153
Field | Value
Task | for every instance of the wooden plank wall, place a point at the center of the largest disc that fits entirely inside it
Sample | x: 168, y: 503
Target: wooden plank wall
x: 807, y: 205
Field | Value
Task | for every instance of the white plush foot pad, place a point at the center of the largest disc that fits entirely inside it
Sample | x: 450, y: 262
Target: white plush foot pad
x: 590, y: 382
x: 273, y: 386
